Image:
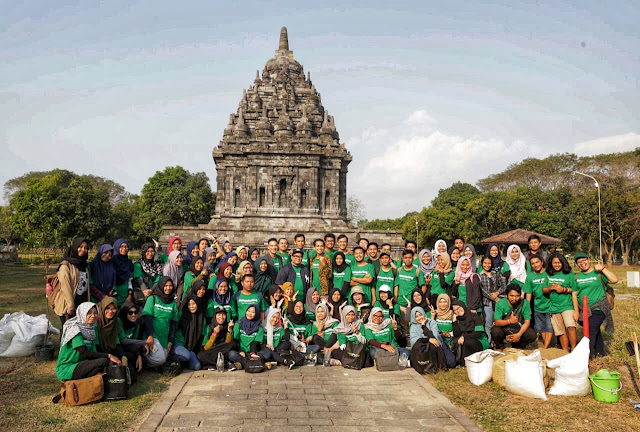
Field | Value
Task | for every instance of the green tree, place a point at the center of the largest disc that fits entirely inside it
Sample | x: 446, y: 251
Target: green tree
x: 7, y: 232
x: 173, y: 197
x: 53, y: 209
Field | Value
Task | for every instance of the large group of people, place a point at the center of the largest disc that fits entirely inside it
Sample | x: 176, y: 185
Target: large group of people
x: 216, y: 306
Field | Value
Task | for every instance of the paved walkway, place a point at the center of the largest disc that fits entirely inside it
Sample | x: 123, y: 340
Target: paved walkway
x: 305, y: 399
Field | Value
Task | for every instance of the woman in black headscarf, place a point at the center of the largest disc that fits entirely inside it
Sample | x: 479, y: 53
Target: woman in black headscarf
x: 131, y: 333
x: 219, y: 340
x: 335, y: 301
x: 73, y: 278
x: 468, y: 332
x: 146, y: 273
x: 160, y: 322
x: 189, y: 334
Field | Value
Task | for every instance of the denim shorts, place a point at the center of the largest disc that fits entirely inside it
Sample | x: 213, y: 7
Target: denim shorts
x: 543, y: 322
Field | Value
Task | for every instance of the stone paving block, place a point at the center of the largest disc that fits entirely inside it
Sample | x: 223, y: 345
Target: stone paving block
x: 181, y: 422
x: 305, y: 421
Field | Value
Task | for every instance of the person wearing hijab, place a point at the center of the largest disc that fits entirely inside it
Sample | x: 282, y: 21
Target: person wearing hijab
x: 219, y: 339
x: 454, y: 254
x: 221, y: 298
x: 417, y: 299
x: 102, y: 274
x: 468, y: 332
x: 173, y: 268
x: 192, y: 252
x: 470, y: 252
x: 493, y: 287
x: 174, y: 244
x: 224, y: 271
x: 78, y: 357
x: 196, y: 273
x: 199, y: 291
x: 311, y: 302
x: 390, y: 309
x: 341, y: 273
x: 124, y: 270
x: 441, y: 277
x: 497, y: 263
x: 210, y: 260
x: 424, y: 336
x: 335, y: 302
x: 300, y: 326
x: 108, y: 330
x: 146, y: 273
x: 189, y: 334
x: 322, y: 325
x: 466, y: 283
x: 131, y: 333
x: 245, y: 267
x: 383, y: 333
x: 427, y: 264
x: 443, y: 316
x: 249, y: 335
x: 517, y: 265
x: 73, y: 278
x: 276, y: 299
x: 262, y: 280
x: 350, y: 329
x: 276, y: 338
x: 440, y: 247
x: 160, y: 316
x: 254, y: 254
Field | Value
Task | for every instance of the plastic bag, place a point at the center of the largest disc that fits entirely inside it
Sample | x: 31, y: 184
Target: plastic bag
x: 28, y: 333
x: 524, y: 376
x: 572, y: 373
x: 480, y: 366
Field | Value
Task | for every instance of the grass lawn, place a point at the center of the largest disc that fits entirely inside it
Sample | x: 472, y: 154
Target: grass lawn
x: 498, y: 410
x: 27, y: 386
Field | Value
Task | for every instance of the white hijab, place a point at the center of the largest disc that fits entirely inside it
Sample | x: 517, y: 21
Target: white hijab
x: 518, y: 267
x: 270, y: 328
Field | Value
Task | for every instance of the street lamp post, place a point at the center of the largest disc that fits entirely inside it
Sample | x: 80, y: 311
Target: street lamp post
x: 417, y: 236
x: 597, y: 185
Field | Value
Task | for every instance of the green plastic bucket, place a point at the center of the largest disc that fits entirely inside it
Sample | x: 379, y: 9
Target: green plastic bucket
x: 606, y: 386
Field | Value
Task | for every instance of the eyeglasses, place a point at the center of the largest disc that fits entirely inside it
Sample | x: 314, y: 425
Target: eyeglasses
x: 133, y: 312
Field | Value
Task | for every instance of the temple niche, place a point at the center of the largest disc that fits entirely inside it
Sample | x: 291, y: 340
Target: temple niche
x: 281, y: 154
x: 281, y: 168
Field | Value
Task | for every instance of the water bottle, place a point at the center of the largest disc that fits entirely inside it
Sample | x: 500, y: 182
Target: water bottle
x: 403, y: 361
x: 220, y: 363
x: 327, y: 359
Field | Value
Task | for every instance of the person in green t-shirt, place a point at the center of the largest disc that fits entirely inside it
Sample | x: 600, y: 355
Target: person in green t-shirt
x: 311, y: 303
x: 386, y: 302
x: 372, y: 255
x: 512, y: 320
x: 329, y: 243
x: 343, y: 244
x: 362, y: 274
x: 174, y: 244
x: 341, y: 273
x: 533, y: 288
x: 468, y: 330
x: 276, y: 337
x: 249, y: 334
x: 383, y: 333
x: 441, y: 278
x: 322, y: 326
x: 564, y: 304
x: 283, y: 251
x: 247, y: 297
x: 591, y: 282
x: 221, y: 297
x: 350, y: 329
x: 408, y: 278
x: 385, y: 274
x: 78, y: 357
x: 124, y: 271
x: 160, y: 315
x: 146, y: 273
x: 300, y: 241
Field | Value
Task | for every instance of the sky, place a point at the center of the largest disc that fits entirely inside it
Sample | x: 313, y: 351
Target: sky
x: 424, y: 94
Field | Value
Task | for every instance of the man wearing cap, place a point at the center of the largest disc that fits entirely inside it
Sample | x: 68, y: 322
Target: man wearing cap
x: 385, y: 274
x: 295, y: 273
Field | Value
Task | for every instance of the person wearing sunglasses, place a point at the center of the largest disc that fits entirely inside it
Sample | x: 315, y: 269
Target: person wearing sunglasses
x: 132, y: 334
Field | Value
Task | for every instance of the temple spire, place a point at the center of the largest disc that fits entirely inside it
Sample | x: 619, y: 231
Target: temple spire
x: 284, y: 40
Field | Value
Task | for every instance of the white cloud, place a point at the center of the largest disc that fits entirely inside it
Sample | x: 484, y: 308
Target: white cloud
x: 410, y: 170
x: 610, y: 144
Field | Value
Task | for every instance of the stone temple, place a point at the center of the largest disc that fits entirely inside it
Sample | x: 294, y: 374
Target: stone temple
x: 281, y: 168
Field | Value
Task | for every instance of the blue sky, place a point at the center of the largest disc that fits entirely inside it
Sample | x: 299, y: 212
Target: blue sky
x: 423, y: 94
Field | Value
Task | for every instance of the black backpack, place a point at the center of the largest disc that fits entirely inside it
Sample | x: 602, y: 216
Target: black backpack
x: 426, y: 357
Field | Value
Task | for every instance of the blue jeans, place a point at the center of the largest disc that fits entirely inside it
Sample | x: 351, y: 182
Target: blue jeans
x: 187, y: 356
x: 235, y: 357
x: 372, y: 352
x: 487, y: 311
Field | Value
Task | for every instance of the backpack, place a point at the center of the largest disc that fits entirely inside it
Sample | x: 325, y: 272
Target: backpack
x: 81, y: 391
x: 52, y: 286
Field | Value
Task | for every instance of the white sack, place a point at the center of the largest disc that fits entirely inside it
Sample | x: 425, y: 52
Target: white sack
x: 28, y: 332
x: 524, y: 376
x: 572, y: 373
x: 480, y: 366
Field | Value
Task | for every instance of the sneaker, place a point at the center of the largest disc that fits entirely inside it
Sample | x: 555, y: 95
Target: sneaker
x: 231, y: 367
